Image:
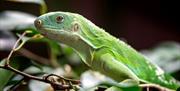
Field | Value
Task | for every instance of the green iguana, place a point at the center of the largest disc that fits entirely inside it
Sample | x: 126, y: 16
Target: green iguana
x: 100, y: 50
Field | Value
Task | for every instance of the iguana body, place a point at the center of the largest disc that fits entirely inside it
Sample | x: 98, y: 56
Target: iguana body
x: 100, y: 50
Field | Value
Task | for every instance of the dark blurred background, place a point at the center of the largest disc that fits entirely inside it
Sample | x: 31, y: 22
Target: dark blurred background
x: 142, y: 24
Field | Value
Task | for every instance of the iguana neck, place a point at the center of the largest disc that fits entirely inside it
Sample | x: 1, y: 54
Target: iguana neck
x: 82, y: 48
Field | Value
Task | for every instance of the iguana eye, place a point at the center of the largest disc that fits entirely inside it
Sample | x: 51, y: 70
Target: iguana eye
x: 59, y: 19
x: 75, y: 27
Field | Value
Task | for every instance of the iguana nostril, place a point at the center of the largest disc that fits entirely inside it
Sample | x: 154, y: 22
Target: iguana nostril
x: 38, y: 23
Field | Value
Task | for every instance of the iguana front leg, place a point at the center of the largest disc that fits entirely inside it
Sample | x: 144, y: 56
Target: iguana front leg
x: 108, y: 65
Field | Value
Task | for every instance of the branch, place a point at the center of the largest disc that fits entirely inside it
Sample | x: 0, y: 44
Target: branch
x: 33, y: 56
x: 55, y: 84
x: 15, y: 48
x: 157, y: 87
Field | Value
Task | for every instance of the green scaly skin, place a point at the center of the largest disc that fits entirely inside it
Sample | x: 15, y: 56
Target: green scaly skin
x: 100, y: 50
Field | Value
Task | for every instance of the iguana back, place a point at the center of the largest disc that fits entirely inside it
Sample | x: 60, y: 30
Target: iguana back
x: 136, y: 62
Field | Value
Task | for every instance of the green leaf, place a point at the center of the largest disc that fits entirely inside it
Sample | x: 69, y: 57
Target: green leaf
x: 13, y: 82
x: 6, y: 75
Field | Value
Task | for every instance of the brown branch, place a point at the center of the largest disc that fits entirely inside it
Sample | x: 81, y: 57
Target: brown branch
x: 65, y: 79
x: 14, y: 47
x: 55, y: 85
x: 158, y: 87
x: 8, y: 67
x: 33, y: 56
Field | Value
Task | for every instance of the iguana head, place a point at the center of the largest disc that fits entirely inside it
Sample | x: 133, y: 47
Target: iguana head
x: 71, y: 28
x: 68, y: 28
x: 61, y: 26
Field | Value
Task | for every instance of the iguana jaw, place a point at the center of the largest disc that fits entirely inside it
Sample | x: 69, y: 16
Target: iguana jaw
x: 62, y: 36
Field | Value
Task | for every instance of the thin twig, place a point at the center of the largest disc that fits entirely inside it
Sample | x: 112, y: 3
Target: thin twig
x: 36, y: 78
x: 66, y: 79
x: 7, y: 66
x: 14, y: 47
x: 160, y: 88
x: 33, y: 56
x: 24, y: 74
